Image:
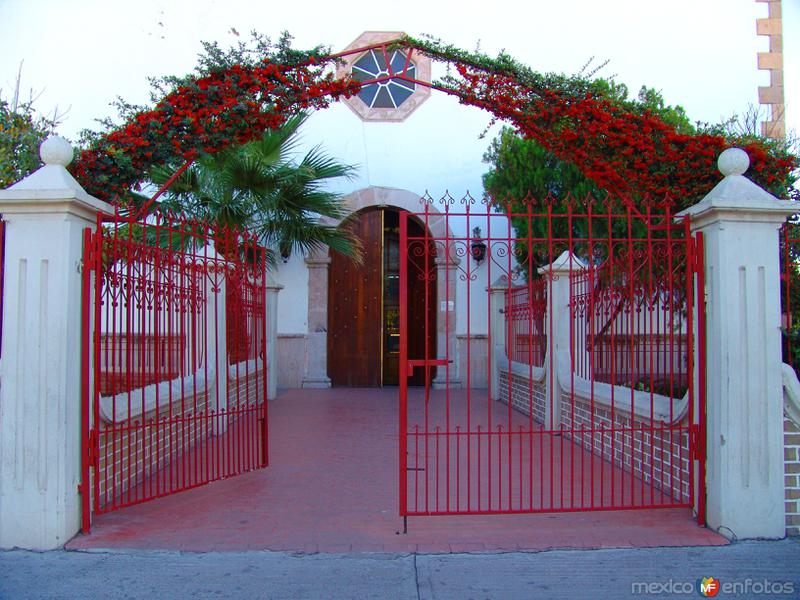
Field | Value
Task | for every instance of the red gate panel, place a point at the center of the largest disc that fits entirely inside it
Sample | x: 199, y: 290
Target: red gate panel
x: 559, y: 387
x: 175, y: 382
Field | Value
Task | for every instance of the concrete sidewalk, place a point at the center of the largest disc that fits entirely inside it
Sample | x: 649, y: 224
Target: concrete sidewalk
x: 626, y: 573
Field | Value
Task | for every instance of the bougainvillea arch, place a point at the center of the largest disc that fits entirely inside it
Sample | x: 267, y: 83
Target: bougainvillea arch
x: 624, y: 151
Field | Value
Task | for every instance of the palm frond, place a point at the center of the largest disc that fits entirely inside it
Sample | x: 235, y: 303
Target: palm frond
x: 256, y: 186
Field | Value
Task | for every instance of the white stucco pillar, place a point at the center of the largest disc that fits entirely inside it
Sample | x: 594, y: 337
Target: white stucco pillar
x: 272, y: 290
x: 217, y: 340
x: 744, y: 461
x: 316, y: 360
x: 557, y: 330
x: 40, y: 367
x: 497, y: 331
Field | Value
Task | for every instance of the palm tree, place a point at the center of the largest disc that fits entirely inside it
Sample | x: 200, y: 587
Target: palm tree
x: 257, y: 187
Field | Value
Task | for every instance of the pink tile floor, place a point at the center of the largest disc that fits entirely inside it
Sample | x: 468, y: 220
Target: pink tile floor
x: 332, y: 486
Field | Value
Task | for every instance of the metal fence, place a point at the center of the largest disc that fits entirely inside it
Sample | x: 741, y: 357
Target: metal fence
x: 629, y: 321
x: 526, y: 338
x: 174, y: 365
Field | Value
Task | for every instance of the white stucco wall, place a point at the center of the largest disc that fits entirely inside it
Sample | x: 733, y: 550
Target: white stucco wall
x: 293, y: 298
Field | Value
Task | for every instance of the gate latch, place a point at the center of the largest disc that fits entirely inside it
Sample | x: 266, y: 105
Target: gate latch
x: 439, y: 362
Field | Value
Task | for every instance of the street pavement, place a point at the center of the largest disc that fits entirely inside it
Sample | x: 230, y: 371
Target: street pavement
x: 742, y: 569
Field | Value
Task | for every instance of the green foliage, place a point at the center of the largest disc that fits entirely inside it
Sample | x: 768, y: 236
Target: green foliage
x: 523, y: 171
x: 22, y: 130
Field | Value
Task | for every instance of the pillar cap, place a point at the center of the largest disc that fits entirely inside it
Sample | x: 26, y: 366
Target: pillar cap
x: 736, y: 198
x: 733, y: 161
x: 565, y: 263
x: 51, y: 188
x: 55, y: 150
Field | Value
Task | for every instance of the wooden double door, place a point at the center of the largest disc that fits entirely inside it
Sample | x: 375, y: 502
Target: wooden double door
x: 364, y: 305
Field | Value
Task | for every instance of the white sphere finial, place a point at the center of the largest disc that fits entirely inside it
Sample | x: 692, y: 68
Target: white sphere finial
x: 733, y: 161
x: 55, y: 150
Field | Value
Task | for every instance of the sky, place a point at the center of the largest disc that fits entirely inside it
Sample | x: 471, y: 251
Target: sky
x: 701, y: 54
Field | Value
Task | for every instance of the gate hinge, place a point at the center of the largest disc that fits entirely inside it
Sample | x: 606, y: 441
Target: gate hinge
x: 696, y: 262
x: 79, y: 266
x: 94, y: 449
x: 694, y: 441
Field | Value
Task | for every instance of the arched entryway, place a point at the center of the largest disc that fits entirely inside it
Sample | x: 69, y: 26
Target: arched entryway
x: 364, y: 305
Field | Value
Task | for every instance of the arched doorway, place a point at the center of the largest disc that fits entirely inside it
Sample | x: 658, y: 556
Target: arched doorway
x: 364, y: 302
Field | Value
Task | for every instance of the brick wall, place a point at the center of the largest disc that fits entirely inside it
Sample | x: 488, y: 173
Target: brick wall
x: 521, y: 389
x: 659, y: 456
x: 791, y: 455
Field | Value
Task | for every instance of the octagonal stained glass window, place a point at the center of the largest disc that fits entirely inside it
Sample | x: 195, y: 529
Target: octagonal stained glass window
x: 384, y: 94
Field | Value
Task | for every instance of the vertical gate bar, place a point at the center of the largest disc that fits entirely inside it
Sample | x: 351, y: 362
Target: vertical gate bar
x: 652, y: 356
x: 787, y: 282
x: 632, y: 371
x: 86, y: 328
x: 208, y: 434
x: 468, y: 399
x: 446, y: 350
x: 458, y: 468
x: 671, y: 353
x: 509, y: 425
x: 427, y: 354
x: 570, y: 312
x: 591, y: 307
x: 687, y: 247
x: 520, y: 437
x: 551, y: 425
x: 437, y: 433
x: 403, y: 404
x: 171, y: 449
x: 131, y: 353
x: 493, y: 361
x: 529, y: 247
x: 612, y: 329
x: 559, y: 406
x: 264, y: 351
x: 700, y: 490
x: 158, y: 297
x: 478, y: 435
x: 142, y: 351
x: 111, y: 352
x: 186, y: 320
x: 488, y: 405
x: 97, y: 248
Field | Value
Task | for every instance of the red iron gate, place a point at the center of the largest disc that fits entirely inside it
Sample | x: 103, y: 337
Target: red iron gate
x: 585, y: 321
x: 175, y: 380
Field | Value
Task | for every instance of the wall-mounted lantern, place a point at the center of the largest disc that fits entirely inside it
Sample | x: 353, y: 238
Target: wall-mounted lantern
x: 478, y: 246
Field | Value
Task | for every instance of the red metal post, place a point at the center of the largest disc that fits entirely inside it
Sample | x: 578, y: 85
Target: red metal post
x: 403, y: 404
x: 700, y: 490
x: 86, y: 295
